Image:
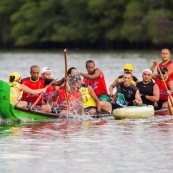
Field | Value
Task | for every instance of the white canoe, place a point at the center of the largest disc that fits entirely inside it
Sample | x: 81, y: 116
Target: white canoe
x: 134, y: 112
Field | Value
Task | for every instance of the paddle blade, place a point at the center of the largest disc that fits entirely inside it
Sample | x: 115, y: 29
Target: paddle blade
x: 170, y: 104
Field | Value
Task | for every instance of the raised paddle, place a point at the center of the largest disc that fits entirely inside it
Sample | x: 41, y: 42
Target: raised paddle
x: 39, y: 97
x: 170, y: 98
x: 66, y: 75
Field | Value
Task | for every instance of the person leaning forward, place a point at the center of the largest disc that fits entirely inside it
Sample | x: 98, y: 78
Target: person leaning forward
x: 36, y: 82
x: 148, y: 89
x: 95, y: 78
x: 127, y: 94
x: 127, y: 68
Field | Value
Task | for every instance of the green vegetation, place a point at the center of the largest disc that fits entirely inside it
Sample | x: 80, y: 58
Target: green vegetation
x: 86, y: 22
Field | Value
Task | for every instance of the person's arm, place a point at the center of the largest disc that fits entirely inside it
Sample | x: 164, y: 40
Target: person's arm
x: 170, y: 91
x: 93, y: 95
x: 52, y: 97
x: 155, y: 63
x: 96, y: 74
x: 112, y: 86
x: 31, y: 91
x: 138, y: 99
x: 114, y: 98
x: 170, y: 69
x: 156, y: 94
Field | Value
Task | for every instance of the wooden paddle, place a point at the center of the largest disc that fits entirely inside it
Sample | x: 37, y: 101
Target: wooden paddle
x: 170, y: 98
x: 66, y: 75
x: 39, y: 97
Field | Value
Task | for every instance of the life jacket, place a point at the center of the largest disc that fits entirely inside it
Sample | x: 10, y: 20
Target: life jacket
x: 162, y: 89
x: 133, y: 81
x: 87, y: 100
x: 166, y: 65
x: 33, y: 85
x: 74, y: 98
x: 15, y: 91
x: 98, y: 84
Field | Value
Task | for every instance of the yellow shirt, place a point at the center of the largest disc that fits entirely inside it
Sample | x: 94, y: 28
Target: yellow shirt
x: 87, y: 100
x: 15, y: 91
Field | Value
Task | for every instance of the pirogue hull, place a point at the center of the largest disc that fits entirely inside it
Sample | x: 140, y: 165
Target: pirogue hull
x: 12, y: 113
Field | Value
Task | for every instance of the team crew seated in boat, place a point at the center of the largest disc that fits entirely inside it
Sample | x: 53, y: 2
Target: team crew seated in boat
x: 127, y: 94
x: 148, y: 89
x: 163, y: 101
x: 16, y: 88
x: 46, y: 74
x: 95, y: 78
x: 127, y: 68
x: 92, y: 105
x: 35, y: 82
x: 166, y: 62
x: 69, y: 98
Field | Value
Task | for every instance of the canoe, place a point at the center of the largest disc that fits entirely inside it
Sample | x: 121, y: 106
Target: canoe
x: 161, y: 112
x: 12, y: 113
x: 134, y: 112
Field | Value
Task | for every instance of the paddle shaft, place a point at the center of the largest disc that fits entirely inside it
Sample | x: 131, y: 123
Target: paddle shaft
x: 65, y: 85
x: 166, y: 89
x: 39, y: 97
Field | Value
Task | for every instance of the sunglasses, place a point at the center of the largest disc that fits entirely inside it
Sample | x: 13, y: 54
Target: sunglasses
x: 126, y: 70
x: 163, y: 72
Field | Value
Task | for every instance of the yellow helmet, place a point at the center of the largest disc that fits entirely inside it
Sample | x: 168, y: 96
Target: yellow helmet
x: 13, y: 77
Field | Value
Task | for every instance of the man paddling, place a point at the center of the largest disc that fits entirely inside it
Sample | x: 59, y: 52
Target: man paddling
x: 166, y: 62
x: 95, y: 78
x: 36, y: 82
x: 127, y: 94
x: 163, y: 101
x: 148, y: 89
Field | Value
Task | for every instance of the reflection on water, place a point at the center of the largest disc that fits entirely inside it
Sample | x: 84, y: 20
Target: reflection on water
x: 95, y: 146
x: 90, y: 145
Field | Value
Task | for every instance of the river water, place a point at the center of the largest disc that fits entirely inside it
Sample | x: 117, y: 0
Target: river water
x: 76, y: 146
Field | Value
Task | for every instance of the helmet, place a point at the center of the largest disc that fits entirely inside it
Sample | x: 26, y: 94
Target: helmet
x: 13, y: 77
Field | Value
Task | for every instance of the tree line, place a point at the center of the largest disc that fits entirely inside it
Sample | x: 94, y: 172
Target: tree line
x: 86, y: 23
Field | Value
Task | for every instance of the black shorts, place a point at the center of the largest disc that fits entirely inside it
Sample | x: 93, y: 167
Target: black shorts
x: 29, y: 104
x: 160, y: 103
x: 115, y: 106
x: 55, y: 110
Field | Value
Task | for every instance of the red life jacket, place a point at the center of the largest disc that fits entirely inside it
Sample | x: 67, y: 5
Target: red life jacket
x: 162, y: 89
x: 98, y: 84
x: 73, y: 98
x: 166, y: 65
x: 33, y: 85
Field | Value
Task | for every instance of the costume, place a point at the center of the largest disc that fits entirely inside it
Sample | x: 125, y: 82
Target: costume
x: 40, y: 83
x: 146, y: 89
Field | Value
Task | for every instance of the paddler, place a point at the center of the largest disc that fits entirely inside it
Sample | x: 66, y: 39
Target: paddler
x: 95, y: 78
x: 127, y: 68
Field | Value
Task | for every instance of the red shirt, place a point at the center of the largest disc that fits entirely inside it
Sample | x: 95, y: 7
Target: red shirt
x: 33, y: 85
x: 166, y: 65
x: 98, y: 84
